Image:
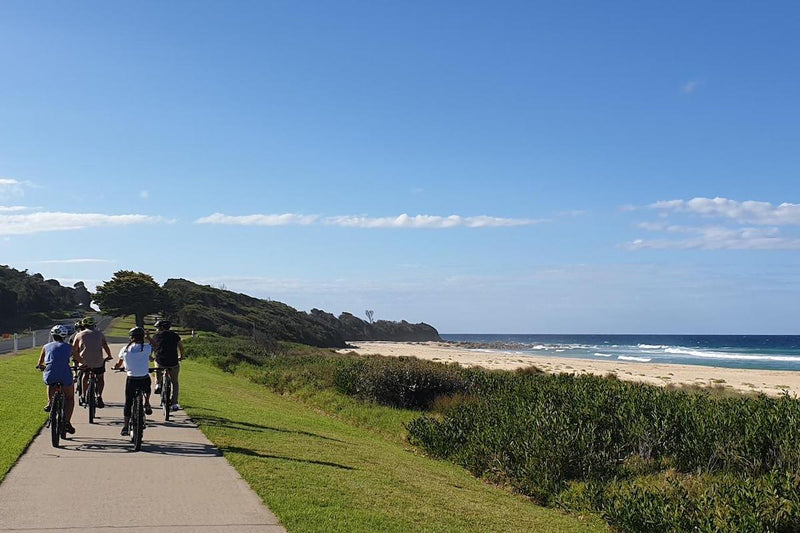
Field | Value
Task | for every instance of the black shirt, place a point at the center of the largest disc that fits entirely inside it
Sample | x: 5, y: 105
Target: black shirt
x: 165, y: 346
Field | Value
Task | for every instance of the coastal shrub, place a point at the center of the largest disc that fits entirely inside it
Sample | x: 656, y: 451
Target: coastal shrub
x: 561, y: 438
x: 675, y: 503
x: 403, y: 382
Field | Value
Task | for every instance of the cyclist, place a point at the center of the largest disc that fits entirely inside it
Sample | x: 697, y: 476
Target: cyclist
x: 91, y: 344
x: 135, y: 357
x: 168, y: 349
x: 54, y: 361
x: 78, y: 328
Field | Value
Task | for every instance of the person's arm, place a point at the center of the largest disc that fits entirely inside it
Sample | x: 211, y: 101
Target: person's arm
x: 180, y: 349
x: 120, y: 361
x: 107, y: 349
x: 40, y: 364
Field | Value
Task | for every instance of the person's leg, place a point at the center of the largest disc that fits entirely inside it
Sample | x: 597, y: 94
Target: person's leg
x: 173, y: 375
x: 101, y: 383
x: 48, y: 389
x: 146, y: 387
x: 130, y: 390
x: 85, y: 385
x: 69, y: 402
x: 159, y: 378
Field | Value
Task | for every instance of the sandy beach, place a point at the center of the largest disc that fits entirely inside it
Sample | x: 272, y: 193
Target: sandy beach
x: 771, y: 382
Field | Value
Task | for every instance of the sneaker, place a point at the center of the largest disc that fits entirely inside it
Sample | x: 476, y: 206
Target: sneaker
x: 148, y: 410
x: 47, y: 408
x: 69, y: 428
x: 82, y: 400
x: 158, y: 390
x: 100, y: 403
x: 124, y: 431
x: 175, y: 407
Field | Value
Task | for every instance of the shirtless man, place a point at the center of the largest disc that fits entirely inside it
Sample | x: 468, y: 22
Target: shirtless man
x: 91, y: 344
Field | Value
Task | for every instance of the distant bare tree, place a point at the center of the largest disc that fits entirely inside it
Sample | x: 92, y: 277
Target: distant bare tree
x: 370, y: 313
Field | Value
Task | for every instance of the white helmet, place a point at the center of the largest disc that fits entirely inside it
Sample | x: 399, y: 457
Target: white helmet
x: 61, y: 330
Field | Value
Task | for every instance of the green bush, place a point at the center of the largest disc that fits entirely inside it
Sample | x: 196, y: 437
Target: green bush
x: 403, y: 382
x: 559, y: 439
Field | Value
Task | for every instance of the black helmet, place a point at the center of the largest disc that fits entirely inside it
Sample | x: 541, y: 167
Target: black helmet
x: 136, y: 332
x: 163, y: 324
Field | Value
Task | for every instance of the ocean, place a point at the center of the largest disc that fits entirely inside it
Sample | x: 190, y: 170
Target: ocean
x: 768, y: 352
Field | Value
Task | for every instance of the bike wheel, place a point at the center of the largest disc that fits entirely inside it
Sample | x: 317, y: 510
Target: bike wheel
x: 166, y: 396
x: 55, y: 414
x: 62, y: 419
x: 138, y: 429
x: 91, y: 401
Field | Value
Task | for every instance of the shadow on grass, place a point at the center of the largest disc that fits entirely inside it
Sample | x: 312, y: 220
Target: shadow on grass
x: 251, y: 453
x: 218, y: 421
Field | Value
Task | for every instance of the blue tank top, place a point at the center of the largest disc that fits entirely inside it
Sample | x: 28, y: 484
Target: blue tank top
x: 56, y: 363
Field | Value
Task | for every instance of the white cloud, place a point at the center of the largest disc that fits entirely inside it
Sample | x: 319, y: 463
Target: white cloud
x: 747, y: 225
x: 11, y: 187
x: 144, y: 195
x: 12, y: 208
x: 747, y: 212
x: 717, y: 238
x: 47, y: 221
x: 424, y: 221
x: 286, y: 219
x: 402, y: 221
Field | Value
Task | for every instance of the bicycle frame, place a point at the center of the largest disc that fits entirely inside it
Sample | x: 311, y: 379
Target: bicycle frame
x: 57, y: 420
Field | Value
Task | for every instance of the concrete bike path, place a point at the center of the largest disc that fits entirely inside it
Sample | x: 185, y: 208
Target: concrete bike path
x: 95, y: 481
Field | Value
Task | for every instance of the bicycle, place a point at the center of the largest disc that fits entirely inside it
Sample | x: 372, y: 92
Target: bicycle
x: 57, y: 420
x: 77, y: 377
x: 166, y: 394
x: 91, y: 394
x: 138, y: 418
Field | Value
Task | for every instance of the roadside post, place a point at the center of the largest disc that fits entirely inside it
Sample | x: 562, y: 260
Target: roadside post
x: 33, y: 339
x: 16, y: 343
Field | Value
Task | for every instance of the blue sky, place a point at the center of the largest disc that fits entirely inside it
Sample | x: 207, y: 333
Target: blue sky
x: 486, y: 167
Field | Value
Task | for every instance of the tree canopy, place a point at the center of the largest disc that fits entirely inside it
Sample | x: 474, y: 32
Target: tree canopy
x: 131, y: 293
x: 29, y: 300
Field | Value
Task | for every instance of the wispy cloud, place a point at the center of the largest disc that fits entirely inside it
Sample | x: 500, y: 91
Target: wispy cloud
x: 690, y: 87
x: 10, y: 187
x: 144, y: 195
x: 748, y: 212
x: 55, y: 221
x: 12, y: 208
x: 425, y: 221
x: 720, y: 238
x: 748, y: 225
x: 351, y: 221
x: 286, y: 219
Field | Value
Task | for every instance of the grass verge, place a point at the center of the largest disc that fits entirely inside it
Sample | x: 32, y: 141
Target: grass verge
x: 21, y: 399
x: 319, y: 473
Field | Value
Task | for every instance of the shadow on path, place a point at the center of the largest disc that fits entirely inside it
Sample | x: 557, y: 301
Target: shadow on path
x: 218, y: 421
x: 122, y: 445
x: 251, y: 453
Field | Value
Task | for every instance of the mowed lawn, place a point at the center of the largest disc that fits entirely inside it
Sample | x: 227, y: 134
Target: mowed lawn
x: 22, y: 397
x: 317, y: 473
